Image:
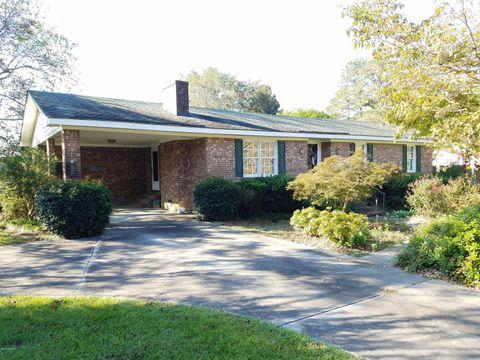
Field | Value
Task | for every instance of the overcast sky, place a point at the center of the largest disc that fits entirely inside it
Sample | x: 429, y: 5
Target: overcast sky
x: 131, y: 49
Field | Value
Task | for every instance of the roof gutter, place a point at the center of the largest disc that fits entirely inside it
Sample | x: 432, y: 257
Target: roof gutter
x: 190, y: 130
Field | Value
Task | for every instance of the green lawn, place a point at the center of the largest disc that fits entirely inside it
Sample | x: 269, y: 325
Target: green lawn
x: 97, y: 328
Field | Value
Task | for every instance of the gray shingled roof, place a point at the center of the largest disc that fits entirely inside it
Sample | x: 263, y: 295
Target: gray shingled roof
x: 71, y: 106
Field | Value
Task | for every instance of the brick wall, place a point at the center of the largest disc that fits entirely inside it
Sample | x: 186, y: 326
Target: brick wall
x: 340, y: 149
x: 296, y: 157
x: 382, y: 153
x: 124, y: 170
x: 388, y: 153
x: 182, y: 166
x: 427, y: 160
x: 220, y: 157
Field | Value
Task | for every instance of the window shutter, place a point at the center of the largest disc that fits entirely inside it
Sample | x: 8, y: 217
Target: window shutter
x: 238, y: 157
x: 281, y: 158
x: 370, y: 152
x: 404, y: 158
x: 351, y: 148
x: 418, y: 155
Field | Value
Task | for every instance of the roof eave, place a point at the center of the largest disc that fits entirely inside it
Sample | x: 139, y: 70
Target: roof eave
x: 148, y: 128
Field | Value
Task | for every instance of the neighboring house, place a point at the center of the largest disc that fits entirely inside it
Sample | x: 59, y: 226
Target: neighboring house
x: 145, y: 150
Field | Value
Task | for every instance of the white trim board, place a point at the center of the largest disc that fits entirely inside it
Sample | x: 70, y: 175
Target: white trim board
x: 166, y: 129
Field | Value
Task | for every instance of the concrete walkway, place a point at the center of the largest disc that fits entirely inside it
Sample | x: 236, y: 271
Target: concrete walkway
x: 364, y: 304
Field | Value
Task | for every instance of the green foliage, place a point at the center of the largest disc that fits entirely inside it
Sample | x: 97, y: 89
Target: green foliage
x: 21, y: 175
x: 429, y: 196
x: 74, y: 209
x: 358, y: 93
x: 251, y: 197
x: 306, y: 113
x: 338, y: 182
x: 429, y: 76
x: 396, y: 190
x: 452, y: 172
x: 303, y: 219
x: 217, y: 199
x: 33, y: 56
x: 346, y: 229
x: 451, y: 245
x: 215, y: 89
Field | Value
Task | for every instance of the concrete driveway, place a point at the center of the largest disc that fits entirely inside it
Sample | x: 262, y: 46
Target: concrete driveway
x: 362, y: 304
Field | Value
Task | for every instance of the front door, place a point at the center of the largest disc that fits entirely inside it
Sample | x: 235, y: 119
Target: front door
x: 155, y: 175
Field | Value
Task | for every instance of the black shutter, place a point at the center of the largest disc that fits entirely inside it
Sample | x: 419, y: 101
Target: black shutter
x: 404, y: 158
x: 281, y: 158
x: 351, y: 148
x: 370, y: 152
x: 418, y: 156
x: 238, y: 157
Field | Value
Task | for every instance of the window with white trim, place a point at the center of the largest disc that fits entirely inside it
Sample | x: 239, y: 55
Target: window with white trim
x: 259, y: 158
x: 411, y: 159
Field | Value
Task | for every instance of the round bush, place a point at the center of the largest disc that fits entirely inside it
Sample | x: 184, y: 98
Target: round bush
x: 74, y: 209
x: 347, y: 229
x: 217, y: 199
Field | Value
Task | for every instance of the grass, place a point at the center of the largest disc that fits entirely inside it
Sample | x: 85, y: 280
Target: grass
x: 22, y: 231
x: 99, y: 328
x: 384, y: 235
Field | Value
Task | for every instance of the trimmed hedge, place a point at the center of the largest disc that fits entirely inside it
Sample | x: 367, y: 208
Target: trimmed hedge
x: 74, y: 209
x: 266, y: 195
x: 217, y: 199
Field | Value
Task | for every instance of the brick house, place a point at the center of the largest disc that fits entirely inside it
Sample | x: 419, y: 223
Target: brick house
x: 146, y: 151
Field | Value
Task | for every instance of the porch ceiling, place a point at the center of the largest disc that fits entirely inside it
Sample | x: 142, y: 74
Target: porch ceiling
x: 95, y: 138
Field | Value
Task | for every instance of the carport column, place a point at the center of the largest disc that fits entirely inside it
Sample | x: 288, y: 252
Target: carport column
x: 50, y: 143
x: 71, y: 163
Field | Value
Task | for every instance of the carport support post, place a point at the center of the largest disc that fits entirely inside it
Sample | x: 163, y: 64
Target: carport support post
x: 50, y: 145
x: 71, y: 162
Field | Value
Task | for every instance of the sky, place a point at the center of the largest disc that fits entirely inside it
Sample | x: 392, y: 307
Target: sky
x: 133, y: 49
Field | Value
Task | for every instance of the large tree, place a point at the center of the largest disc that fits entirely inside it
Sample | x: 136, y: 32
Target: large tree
x: 306, y: 113
x: 32, y: 55
x: 215, y: 89
x: 430, y: 70
x: 358, y: 93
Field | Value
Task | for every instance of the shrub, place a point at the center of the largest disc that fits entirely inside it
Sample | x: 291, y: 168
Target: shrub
x: 278, y: 198
x: 252, y: 196
x: 217, y: 199
x: 338, y: 182
x: 21, y: 175
x: 450, y: 245
x: 347, y: 229
x: 302, y: 220
x: 74, y: 209
x: 267, y: 195
x: 396, y: 191
x: 431, y: 197
x: 452, y: 172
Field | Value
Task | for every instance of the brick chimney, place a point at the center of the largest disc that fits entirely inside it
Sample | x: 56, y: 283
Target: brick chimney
x: 183, y: 103
x: 175, y: 98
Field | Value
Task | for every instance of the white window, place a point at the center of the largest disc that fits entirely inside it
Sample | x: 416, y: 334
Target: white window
x: 259, y: 158
x: 411, y: 159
